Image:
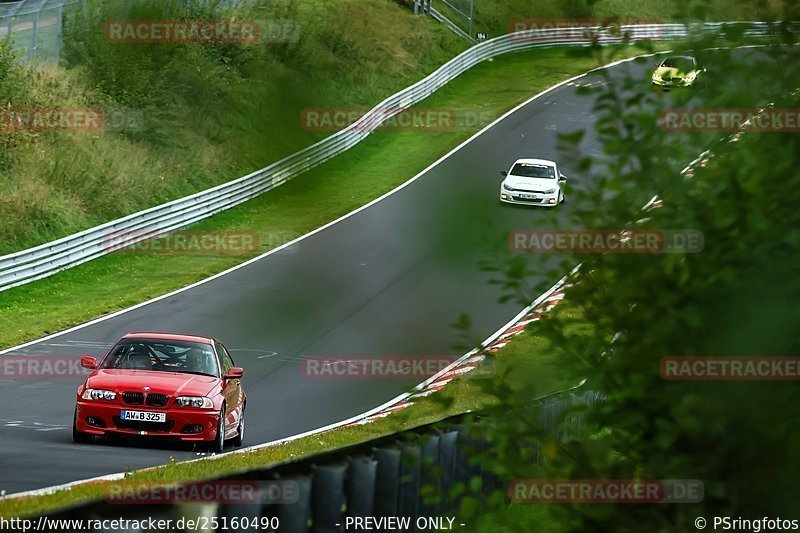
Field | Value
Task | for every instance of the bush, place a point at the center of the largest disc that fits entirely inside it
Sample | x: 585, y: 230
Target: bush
x: 735, y: 298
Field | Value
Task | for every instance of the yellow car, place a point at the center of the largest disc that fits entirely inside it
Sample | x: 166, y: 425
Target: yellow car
x: 676, y: 71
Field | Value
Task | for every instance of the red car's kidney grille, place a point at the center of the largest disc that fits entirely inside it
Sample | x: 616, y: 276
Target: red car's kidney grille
x: 133, y: 398
x: 157, y: 400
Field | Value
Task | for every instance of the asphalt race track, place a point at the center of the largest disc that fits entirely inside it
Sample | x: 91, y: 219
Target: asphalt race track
x: 389, y: 280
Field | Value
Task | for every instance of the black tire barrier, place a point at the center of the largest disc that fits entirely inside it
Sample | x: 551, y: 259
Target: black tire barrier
x: 409, y: 475
x: 387, y: 481
x: 361, y: 486
x: 295, y: 517
x: 327, y: 497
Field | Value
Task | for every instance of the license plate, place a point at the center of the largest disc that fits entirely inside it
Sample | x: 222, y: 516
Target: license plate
x: 528, y: 196
x: 144, y: 416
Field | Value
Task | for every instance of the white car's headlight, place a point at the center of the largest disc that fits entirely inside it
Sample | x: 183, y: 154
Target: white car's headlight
x: 550, y: 191
x: 506, y: 187
x: 656, y: 77
x: 98, y: 394
x: 194, y: 401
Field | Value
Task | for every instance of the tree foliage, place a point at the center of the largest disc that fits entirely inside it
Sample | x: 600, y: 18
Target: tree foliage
x: 735, y: 298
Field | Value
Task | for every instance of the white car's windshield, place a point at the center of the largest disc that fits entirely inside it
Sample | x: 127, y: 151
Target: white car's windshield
x: 533, y: 170
x: 683, y: 64
x: 165, y: 356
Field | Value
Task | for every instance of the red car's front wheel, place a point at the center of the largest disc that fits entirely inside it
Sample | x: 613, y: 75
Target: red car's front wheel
x: 239, y: 438
x: 78, y: 436
x: 218, y: 444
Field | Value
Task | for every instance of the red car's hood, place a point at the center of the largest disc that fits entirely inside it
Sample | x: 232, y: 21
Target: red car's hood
x: 171, y: 383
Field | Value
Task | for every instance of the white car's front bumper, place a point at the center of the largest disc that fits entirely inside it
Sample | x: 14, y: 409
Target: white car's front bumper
x: 522, y: 198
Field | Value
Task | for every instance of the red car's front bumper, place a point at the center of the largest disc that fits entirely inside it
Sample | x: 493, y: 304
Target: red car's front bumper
x: 99, y: 418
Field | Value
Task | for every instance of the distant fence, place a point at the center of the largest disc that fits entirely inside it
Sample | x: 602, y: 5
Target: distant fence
x: 35, y: 27
x: 409, y: 474
x: 47, y: 259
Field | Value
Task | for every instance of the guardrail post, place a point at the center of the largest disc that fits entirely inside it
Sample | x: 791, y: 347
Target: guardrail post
x: 361, y: 486
x: 294, y: 517
x: 410, y: 469
x: 461, y: 469
x: 34, y: 33
x: 431, y: 475
x: 60, y: 30
x: 447, y: 459
x: 327, y: 497
x: 387, y: 481
x: 249, y: 512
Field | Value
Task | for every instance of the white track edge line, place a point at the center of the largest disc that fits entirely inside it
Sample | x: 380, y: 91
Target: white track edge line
x: 331, y: 223
x: 117, y: 476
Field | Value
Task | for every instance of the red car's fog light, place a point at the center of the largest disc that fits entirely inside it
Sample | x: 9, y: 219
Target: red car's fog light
x: 95, y: 421
x: 192, y: 428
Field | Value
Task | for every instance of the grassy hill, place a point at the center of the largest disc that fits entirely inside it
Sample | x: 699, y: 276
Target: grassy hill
x: 189, y: 116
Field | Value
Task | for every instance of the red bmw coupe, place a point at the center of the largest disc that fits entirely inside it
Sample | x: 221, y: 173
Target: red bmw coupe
x: 166, y: 386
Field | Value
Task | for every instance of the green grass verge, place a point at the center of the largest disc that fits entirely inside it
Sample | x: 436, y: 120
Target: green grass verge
x: 190, y: 116
x: 335, y: 188
x: 497, y: 18
x: 526, y: 365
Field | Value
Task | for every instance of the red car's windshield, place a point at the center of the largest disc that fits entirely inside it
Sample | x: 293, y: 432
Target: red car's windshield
x: 164, y: 356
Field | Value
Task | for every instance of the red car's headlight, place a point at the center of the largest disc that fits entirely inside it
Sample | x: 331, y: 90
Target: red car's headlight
x: 194, y: 401
x: 98, y: 394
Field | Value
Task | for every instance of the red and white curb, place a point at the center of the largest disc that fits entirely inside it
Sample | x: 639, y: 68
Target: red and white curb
x: 702, y: 160
x: 534, y: 312
x: 468, y: 362
x: 531, y: 314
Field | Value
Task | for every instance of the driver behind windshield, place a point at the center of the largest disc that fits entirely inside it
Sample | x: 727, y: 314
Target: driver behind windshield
x: 187, y: 357
x: 137, y: 358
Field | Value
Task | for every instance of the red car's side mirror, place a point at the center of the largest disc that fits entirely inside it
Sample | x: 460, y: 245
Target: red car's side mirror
x: 88, y: 362
x: 234, y: 372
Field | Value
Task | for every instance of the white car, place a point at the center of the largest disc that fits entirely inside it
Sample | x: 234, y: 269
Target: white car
x: 533, y: 182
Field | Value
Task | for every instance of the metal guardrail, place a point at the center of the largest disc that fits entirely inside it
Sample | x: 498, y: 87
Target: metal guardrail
x: 47, y: 259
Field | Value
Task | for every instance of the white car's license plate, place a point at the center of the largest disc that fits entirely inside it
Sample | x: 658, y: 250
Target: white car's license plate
x: 528, y: 196
x: 144, y: 416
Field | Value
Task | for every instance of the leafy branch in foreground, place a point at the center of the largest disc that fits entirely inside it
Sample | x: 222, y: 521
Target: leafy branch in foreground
x: 735, y: 298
